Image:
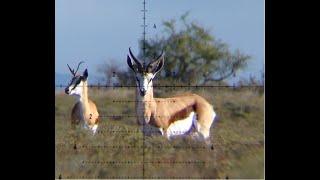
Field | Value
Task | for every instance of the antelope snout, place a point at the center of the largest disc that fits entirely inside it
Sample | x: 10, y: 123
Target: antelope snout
x: 66, y: 90
x: 143, y: 92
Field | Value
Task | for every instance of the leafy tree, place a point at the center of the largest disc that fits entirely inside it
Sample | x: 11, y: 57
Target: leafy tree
x: 193, y: 54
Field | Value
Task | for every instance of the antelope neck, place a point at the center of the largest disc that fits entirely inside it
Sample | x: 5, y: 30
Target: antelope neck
x: 84, y: 98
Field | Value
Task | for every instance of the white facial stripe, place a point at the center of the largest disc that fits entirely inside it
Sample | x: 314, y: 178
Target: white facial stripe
x: 144, y: 81
x: 76, y: 90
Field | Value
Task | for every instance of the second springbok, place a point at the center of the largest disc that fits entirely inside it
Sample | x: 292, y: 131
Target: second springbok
x: 174, y: 116
x: 84, y: 111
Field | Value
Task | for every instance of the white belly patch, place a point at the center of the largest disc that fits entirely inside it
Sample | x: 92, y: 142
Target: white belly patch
x: 182, y: 126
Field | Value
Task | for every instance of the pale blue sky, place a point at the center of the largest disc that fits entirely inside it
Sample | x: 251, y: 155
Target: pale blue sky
x: 100, y: 30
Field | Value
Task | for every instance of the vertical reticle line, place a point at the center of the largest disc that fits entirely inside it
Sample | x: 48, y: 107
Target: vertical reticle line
x: 144, y: 31
x: 144, y: 61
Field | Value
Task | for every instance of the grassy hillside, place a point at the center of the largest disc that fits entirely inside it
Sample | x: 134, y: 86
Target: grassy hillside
x: 118, y: 149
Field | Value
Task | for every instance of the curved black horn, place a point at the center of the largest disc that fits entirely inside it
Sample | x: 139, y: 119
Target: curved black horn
x: 78, y: 67
x: 157, y: 64
x: 135, y: 59
x: 72, y: 71
x: 162, y: 53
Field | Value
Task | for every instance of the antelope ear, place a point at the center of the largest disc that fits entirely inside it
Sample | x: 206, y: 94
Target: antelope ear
x: 156, y: 66
x: 85, y: 74
x: 129, y: 62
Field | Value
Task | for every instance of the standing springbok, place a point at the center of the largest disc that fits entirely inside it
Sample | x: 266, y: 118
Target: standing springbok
x: 173, y: 116
x: 84, y: 111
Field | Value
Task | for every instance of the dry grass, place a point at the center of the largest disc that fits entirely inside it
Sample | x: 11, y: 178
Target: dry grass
x: 116, y: 150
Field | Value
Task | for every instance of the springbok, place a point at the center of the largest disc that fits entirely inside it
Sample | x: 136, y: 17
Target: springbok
x: 85, y: 110
x: 173, y: 116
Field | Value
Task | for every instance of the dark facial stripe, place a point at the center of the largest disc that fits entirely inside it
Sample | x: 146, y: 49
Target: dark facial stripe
x: 77, y: 82
x: 139, y: 85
